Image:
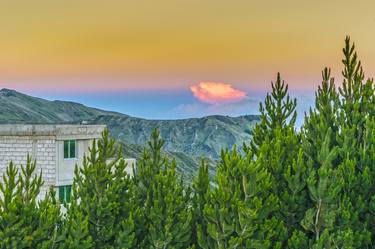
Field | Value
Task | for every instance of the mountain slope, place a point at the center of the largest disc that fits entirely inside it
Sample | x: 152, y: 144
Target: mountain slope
x: 16, y: 107
x: 187, y: 140
x: 195, y: 136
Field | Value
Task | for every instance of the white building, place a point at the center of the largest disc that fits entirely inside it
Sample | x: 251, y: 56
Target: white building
x: 56, y: 148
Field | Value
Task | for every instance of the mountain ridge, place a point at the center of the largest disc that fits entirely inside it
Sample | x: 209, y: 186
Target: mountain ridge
x: 187, y: 140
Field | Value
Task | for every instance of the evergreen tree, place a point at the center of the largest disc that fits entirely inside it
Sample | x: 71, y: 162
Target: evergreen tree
x: 356, y: 93
x: 341, y: 121
x: 240, y: 210
x: 25, y: 222
x: 165, y: 217
x: 324, y: 185
x: 278, y: 111
x: 75, y: 234
x: 276, y: 146
x: 322, y: 118
x: 354, y: 113
x: 275, y: 143
x: 104, y: 191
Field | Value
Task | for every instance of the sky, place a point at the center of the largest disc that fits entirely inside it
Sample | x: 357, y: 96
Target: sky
x: 175, y: 59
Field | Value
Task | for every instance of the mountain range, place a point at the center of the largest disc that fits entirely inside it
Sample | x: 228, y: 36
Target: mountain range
x: 186, y: 140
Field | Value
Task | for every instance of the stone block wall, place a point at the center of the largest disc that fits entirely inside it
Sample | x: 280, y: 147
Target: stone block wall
x: 43, y: 149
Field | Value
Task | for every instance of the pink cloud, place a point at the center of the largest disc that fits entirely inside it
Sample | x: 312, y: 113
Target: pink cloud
x: 216, y: 92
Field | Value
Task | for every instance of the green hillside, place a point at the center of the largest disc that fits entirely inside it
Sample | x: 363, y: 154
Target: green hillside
x: 19, y: 108
x: 187, y: 140
x: 195, y: 136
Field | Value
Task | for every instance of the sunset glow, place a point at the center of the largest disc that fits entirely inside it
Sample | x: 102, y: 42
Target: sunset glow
x: 101, y: 49
x: 214, y: 92
x: 170, y: 44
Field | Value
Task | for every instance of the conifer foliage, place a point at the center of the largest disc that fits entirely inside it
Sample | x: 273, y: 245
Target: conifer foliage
x: 165, y: 215
x: 311, y: 187
x: 102, y: 197
x: 26, y: 222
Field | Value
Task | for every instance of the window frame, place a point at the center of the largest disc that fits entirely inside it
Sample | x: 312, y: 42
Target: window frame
x: 69, y: 142
x: 65, y: 194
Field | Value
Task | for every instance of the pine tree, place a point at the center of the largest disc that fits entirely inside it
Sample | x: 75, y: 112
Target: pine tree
x: 241, y: 206
x: 50, y: 221
x: 104, y: 191
x: 278, y: 111
x: 275, y: 143
x: 339, y: 125
x: 354, y: 113
x: 323, y: 117
x: 25, y: 222
x: 356, y: 94
x: 324, y: 185
x: 276, y: 147
x: 165, y: 218
x: 75, y: 232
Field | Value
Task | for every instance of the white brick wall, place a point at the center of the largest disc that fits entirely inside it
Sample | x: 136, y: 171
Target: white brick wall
x: 43, y: 149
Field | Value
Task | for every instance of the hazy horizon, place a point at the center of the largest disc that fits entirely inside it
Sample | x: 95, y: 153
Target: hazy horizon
x: 169, y: 107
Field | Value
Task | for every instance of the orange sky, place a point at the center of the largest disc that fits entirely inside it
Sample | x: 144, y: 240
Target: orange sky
x: 172, y: 44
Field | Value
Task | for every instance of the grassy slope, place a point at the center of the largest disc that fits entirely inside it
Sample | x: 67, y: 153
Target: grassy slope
x: 16, y: 107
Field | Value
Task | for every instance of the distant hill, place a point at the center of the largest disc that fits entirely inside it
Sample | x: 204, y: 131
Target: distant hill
x: 16, y: 107
x: 195, y: 136
x: 187, y: 140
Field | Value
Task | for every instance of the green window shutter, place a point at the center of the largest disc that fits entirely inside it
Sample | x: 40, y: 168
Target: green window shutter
x: 65, y: 193
x: 72, y: 149
x: 61, y: 194
x: 68, y: 193
x: 66, y: 149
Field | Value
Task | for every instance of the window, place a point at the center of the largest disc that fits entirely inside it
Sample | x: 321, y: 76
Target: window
x: 64, y: 193
x: 70, y: 149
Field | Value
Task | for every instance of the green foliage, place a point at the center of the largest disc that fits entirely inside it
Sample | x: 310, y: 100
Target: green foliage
x: 164, y: 217
x: 278, y: 112
x: 201, y: 195
x: 104, y: 191
x: 241, y: 201
x: 312, y: 188
x: 324, y: 185
x: 322, y: 118
x: 25, y: 222
x: 75, y: 234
